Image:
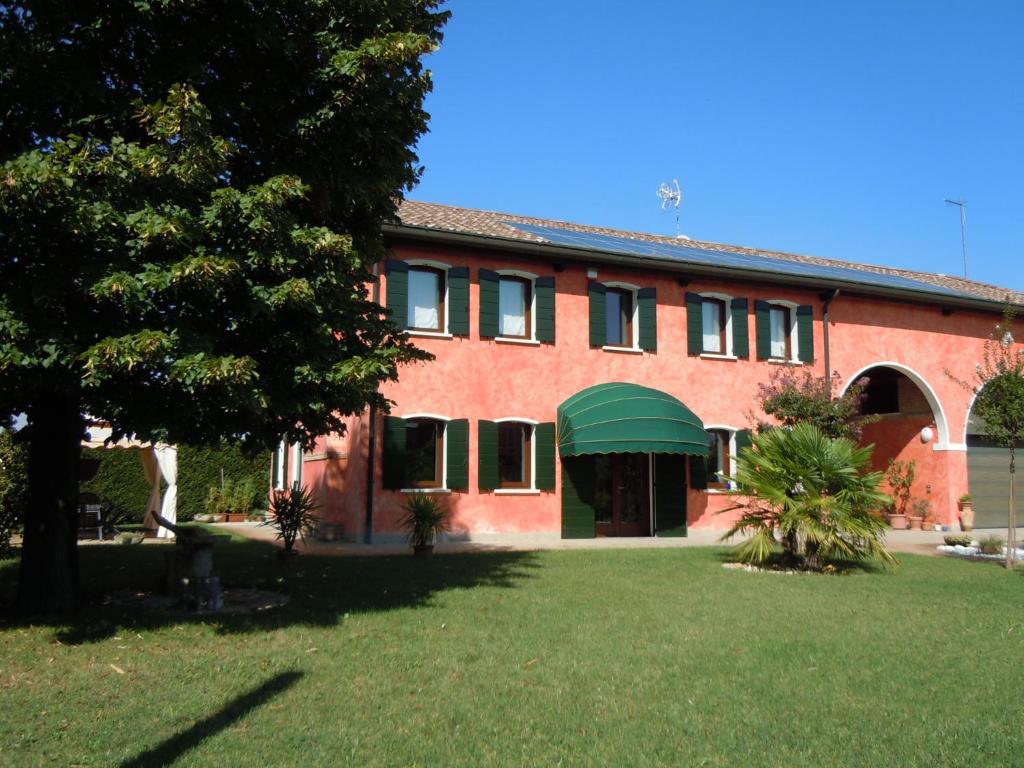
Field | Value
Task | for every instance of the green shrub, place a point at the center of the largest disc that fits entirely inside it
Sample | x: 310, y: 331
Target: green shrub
x: 120, y: 479
x: 958, y: 540
x: 425, y: 518
x: 991, y: 545
x: 13, y: 489
x: 234, y: 496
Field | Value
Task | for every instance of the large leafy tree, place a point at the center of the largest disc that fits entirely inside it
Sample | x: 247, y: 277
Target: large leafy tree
x: 999, y: 407
x: 191, y: 195
x: 812, y: 492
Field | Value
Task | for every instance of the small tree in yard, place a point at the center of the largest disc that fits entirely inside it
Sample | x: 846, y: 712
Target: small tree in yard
x: 191, y: 202
x: 815, y: 493
x: 999, y: 405
x: 792, y: 398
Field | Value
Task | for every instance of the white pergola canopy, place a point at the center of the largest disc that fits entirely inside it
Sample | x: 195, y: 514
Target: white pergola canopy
x: 158, y: 460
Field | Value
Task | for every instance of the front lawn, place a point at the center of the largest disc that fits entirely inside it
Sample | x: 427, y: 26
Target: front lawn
x: 632, y: 657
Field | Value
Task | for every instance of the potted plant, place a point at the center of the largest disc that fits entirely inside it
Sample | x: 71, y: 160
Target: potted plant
x: 900, y: 477
x: 897, y: 521
x: 966, y: 512
x: 424, y: 519
x: 293, y: 515
x: 920, y: 510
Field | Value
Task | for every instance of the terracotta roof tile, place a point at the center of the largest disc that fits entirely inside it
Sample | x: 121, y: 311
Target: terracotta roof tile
x: 492, y: 224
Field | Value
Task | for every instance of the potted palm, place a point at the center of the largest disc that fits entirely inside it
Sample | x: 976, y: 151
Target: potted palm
x: 966, y: 512
x: 424, y: 520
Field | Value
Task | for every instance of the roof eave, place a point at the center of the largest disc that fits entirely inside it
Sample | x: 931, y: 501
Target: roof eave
x: 550, y: 250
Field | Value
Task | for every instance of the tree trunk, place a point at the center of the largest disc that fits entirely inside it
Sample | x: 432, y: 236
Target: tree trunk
x: 48, y: 580
x: 1011, y: 533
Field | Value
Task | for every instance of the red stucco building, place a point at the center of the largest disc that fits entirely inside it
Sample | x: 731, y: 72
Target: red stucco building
x: 589, y: 381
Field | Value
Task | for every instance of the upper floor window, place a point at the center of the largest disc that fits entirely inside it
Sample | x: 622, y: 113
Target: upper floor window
x: 619, y: 317
x: 781, y: 328
x: 426, y: 309
x: 424, y: 453
x: 515, y: 455
x: 714, y: 324
x: 515, y: 304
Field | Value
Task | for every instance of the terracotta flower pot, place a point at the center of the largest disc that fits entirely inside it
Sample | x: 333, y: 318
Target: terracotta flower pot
x: 898, y: 522
x: 967, y: 515
x: 915, y: 523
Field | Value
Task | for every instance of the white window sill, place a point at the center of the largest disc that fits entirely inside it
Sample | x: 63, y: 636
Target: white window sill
x: 430, y: 334
x: 780, y: 361
x: 716, y: 356
x: 626, y: 350
x: 513, y: 340
x: 719, y: 491
x: 516, y: 492
x: 424, y: 490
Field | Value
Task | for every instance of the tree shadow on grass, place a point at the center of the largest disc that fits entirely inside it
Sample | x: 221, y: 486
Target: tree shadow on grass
x: 171, y: 749
x: 322, y: 589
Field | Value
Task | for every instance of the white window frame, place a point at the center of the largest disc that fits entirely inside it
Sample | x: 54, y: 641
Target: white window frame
x: 532, y: 490
x: 731, y: 469
x: 634, y: 343
x: 794, y: 337
x: 296, y: 473
x: 281, y: 465
x: 444, y: 453
x: 444, y: 333
x: 532, y: 309
x: 728, y: 353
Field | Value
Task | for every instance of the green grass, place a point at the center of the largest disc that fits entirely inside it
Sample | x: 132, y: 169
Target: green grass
x: 652, y: 657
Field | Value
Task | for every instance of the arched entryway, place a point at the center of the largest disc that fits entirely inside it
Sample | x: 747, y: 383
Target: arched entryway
x: 910, y: 424
x: 988, y: 467
x: 624, y: 449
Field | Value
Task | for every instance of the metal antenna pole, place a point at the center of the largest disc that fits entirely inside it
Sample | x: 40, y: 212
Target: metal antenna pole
x: 962, y: 205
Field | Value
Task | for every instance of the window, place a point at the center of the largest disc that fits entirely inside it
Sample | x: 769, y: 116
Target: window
x: 714, y: 326
x: 424, y: 453
x: 515, y: 455
x: 514, y: 304
x: 619, y: 317
x: 426, y: 299
x: 719, y: 458
x: 780, y: 325
x: 280, y: 472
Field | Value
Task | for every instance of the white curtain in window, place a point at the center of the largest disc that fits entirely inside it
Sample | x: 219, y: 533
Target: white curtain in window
x: 712, y: 327
x: 152, y: 471
x: 423, y: 294
x: 779, y: 332
x: 167, y: 459
x: 512, y: 305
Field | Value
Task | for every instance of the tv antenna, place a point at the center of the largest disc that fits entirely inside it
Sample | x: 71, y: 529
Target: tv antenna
x: 962, y: 204
x: 671, y: 196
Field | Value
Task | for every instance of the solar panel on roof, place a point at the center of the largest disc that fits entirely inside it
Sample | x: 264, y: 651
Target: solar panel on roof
x: 594, y: 241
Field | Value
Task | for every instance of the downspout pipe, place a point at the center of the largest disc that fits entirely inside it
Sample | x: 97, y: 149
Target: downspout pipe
x: 829, y: 298
x: 371, y: 457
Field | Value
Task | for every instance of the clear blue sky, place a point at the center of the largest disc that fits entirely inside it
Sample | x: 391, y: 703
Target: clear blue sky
x: 828, y: 128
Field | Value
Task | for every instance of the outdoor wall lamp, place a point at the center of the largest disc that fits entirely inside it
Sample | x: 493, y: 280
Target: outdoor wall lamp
x: 927, y: 435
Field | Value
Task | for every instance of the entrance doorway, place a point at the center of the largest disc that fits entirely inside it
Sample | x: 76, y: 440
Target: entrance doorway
x: 622, y: 495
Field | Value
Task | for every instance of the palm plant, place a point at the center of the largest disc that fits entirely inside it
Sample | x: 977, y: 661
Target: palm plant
x: 814, y: 494
x: 293, y: 515
x: 425, y: 518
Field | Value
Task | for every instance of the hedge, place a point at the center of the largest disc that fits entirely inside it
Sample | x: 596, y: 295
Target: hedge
x: 121, y: 480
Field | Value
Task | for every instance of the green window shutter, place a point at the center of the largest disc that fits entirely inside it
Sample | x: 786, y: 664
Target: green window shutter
x: 764, y: 330
x: 805, y: 332
x: 544, y: 299
x: 740, y: 329
x: 699, y: 472
x: 458, y: 301
x: 578, y: 519
x: 457, y: 437
x: 669, y: 494
x: 398, y: 292
x: 694, y: 324
x: 544, y: 452
x: 647, y: 314
x: 743, y: 440
x: 487, y: 455
x: 394, y: 453
x: 598, y: 310
x: 488, y: 303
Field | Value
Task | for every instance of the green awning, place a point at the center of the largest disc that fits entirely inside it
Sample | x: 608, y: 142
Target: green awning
x: 628, y: 418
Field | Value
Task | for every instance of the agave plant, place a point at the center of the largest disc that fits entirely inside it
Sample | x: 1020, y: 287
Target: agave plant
x: 811, y: 493
x: 425, y: 518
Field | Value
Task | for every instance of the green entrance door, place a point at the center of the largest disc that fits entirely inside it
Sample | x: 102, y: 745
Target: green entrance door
x: 622, y: 494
